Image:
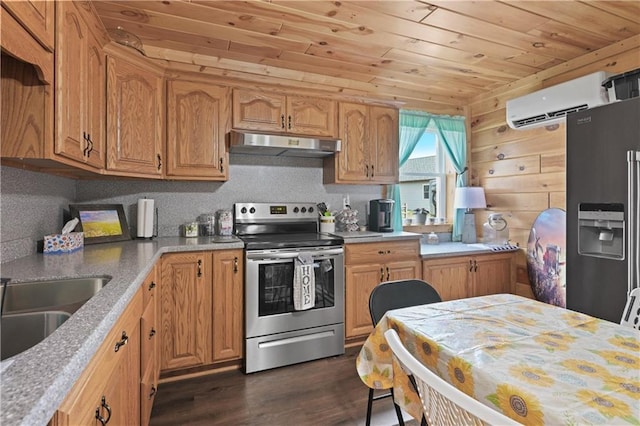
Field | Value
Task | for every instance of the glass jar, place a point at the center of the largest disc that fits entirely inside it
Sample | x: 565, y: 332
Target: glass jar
x: 432, y: 238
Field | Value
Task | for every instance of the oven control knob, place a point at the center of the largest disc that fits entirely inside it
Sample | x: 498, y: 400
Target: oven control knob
x: 310, y: 209
x: 296, y: 210
x: 303, y: 210
x: 252, y: 210
x: 243, y: 210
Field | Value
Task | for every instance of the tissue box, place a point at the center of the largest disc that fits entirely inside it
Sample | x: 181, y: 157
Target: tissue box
x: 63, y: 243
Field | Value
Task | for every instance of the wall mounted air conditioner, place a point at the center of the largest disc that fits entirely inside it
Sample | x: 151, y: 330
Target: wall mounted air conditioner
x: 551, y: 105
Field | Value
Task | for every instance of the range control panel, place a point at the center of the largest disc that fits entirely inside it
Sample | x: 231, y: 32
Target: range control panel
x: 260, y: 212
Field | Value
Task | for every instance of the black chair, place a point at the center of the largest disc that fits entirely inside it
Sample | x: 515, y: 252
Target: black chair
x: 394, y: 295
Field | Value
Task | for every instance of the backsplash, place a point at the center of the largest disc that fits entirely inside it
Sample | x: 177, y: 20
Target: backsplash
x: 32, y: 204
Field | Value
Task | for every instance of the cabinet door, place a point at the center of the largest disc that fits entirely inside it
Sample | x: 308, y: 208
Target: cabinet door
x: 352, y: 160
x: 197, y: 117
x: 70, y: 81
x: 185, y: 292
x: 258, y: 111
x: 383, y: 150
x: 492, y: 274
x: 405, y: 270
x: 228, y: 329
x: 37, y: 17
x: 451, y: 277
x: 134, y: 119
x: 311, y: 116
x: 95, y: 87
x: 359, y: 282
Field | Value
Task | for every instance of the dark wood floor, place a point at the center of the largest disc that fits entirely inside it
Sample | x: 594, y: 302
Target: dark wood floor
x: 323, y: 392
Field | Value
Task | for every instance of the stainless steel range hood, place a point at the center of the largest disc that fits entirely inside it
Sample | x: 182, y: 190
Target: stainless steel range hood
x: 282, y: 145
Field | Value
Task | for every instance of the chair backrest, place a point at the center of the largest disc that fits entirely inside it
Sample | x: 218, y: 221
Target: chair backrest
x: 400, y: 294
x: 443, y: 404
x: 631, y: 313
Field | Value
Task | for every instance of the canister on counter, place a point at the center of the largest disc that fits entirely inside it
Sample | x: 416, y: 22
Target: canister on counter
x: 224, y: 222
x: 207, y: 224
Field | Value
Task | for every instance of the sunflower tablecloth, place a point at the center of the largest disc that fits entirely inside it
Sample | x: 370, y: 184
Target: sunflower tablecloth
x: 536, y: 363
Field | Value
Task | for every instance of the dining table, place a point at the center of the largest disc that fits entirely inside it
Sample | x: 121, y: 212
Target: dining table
x: 536, y: 363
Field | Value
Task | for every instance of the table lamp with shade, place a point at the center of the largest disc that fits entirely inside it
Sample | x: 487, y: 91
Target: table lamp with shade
x: 469, y: 197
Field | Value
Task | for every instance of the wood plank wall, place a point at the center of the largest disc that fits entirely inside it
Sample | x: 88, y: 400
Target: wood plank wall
x: 523, y: 171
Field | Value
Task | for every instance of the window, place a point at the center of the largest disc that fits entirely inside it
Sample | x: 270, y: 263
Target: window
x: 422, y: 178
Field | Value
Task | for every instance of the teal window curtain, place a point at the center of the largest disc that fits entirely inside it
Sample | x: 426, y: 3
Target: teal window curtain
x: 412, y: 126
x: 453, y: 135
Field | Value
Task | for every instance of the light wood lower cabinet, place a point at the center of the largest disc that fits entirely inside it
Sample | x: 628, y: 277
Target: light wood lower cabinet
x: 459, y: 277
x: 109, y: 388
x: 201, y: 308
x: 186, y: 291
x: 366, y: 266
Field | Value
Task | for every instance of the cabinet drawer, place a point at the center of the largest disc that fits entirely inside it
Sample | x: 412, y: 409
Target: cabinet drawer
x: 148, y: 391
x: 149, y: 337
x: 149, y: 289
x: 381, y: 252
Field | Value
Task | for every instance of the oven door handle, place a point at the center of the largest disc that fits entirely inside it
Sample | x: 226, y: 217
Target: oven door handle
x: 293, y: 255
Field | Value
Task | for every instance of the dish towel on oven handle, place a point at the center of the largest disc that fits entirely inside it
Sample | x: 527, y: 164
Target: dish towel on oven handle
x: 304, y: 283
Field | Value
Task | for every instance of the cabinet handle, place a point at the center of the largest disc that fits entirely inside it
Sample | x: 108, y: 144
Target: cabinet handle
x: 475, y: 266
x: 372, y: 170
x: 366, y: 170
x: 90, y: 142
x: 470, y: 265
x: 381, y: 274
x: 221, y: 166
x: 152, y: 285
x: 199, y: 268
x: 123, y: 341
x: 289, y: 122
x: 86, y: 144
x: 101, y: 419
x: 380, y: 251
x: 159, y: 162
x: 282, y: 121
x: 153, y: 392
x: 152, y: 333
x: 388, y: 274
x: 235, y: 264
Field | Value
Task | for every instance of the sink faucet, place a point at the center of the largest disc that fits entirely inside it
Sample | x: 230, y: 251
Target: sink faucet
x: 3, y: 282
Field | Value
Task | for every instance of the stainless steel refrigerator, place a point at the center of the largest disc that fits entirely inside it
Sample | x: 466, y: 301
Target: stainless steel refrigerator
x: 603, y: 211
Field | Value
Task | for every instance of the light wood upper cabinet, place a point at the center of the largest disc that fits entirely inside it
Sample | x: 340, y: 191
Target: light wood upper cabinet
x: 37, y: 17
x: 185, y: 292
x: 459, y: 277
x: 366, y: 266
x: 228, y: 305
x: 197, y: 121
x: 80, y: 89
x: 369, y: 152
x: 278, y: 113
x: 135, y: 122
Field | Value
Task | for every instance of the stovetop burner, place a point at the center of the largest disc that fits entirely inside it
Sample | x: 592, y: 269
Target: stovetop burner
x: 264, y: 226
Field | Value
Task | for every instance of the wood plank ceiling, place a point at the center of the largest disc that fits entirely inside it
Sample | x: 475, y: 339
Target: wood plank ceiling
x: 421, y: 53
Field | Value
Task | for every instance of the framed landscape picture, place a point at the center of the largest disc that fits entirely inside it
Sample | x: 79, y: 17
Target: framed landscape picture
x: 101, y: 223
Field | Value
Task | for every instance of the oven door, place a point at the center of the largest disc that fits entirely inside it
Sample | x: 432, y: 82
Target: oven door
x: 269, y: 290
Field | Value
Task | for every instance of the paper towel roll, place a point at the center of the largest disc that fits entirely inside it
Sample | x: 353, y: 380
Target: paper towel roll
x: 145, y: 218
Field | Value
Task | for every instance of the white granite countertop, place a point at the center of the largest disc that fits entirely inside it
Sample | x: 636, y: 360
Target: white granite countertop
x: 429, y: 251
x: 34, y: 383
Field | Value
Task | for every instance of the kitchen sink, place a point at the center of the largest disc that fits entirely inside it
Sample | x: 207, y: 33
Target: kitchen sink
x: 33, y: 310
x: 19, y: 332
x: 66, y: 295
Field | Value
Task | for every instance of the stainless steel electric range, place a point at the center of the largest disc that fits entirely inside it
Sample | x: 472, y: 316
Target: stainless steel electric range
x: 276, y: 334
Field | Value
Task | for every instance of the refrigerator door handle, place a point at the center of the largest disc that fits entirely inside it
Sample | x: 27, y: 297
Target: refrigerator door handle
x: 633, y: 215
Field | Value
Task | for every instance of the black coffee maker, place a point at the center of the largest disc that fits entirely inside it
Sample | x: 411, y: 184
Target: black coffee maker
x: 381, y: 215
